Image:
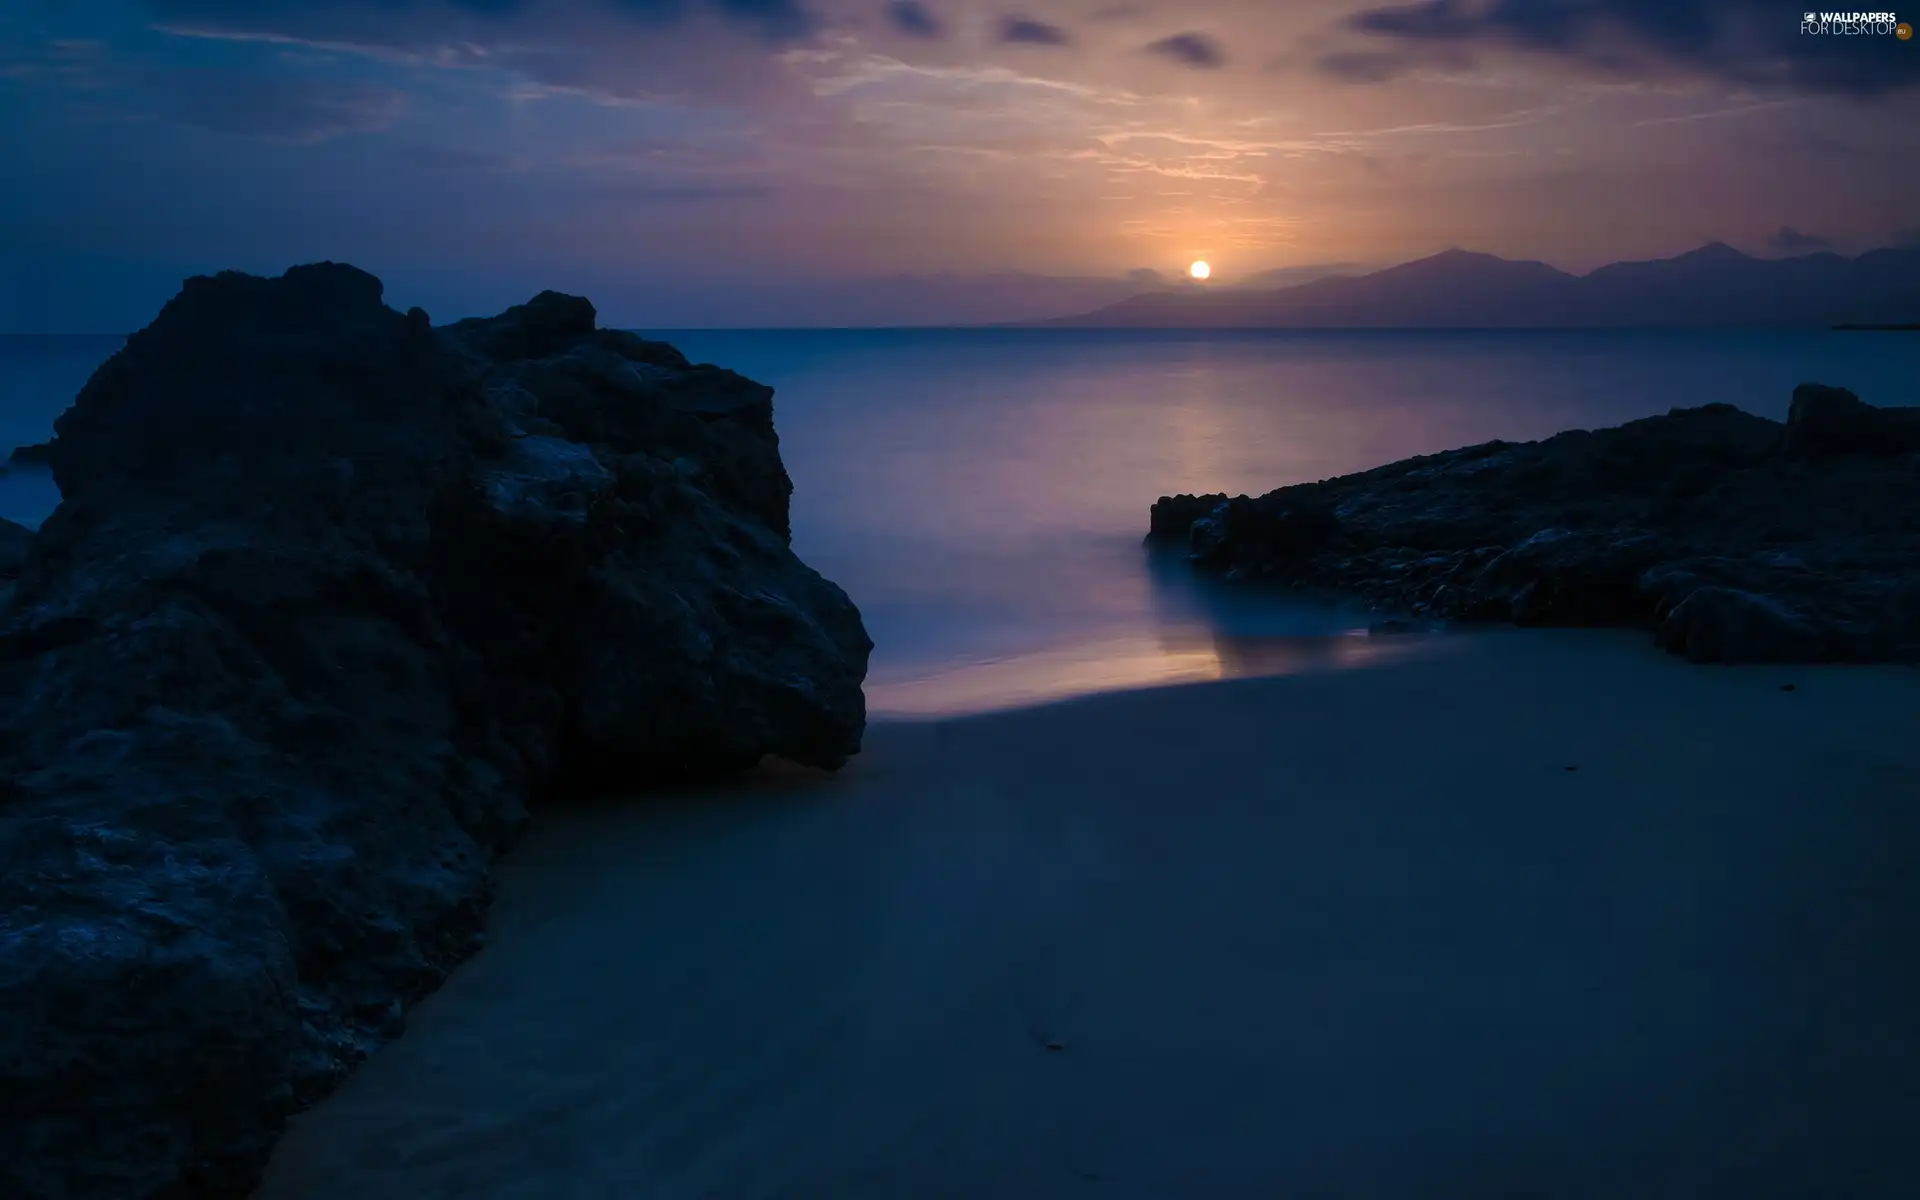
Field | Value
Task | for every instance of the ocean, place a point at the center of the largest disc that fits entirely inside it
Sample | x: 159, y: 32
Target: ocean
x: 982, y: 494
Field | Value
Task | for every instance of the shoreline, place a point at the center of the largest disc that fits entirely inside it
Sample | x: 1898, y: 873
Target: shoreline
x: 1172, y: 657
x: 1555, y: 914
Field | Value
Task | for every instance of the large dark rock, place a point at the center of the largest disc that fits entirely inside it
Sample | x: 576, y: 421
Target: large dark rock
x: 34, y: 455
x: 14, y: 541
x: 1248, y: 536
x: 1736, y: 538
x: 1721, y: 624
x: 1172, y: 517
x: 1829, y: 420
x: 331, y: 595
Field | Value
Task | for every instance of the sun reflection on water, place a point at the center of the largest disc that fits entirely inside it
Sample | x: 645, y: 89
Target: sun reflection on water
x: 1179, y: 655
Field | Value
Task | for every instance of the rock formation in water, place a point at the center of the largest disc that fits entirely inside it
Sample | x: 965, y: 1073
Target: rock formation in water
x: 330, y: 596
x: 1735, y: 538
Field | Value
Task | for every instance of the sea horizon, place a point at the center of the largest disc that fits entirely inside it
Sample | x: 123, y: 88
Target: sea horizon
x: 982, y: 492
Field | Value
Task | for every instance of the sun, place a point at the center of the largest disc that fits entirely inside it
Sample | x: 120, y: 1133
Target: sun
x: 1199, y: 269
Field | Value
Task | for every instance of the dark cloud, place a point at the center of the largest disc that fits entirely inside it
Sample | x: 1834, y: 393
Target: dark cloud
x: 776, y: 20
x: 624, y: 50
x: 1193, y: 49
x: 915, y: 20
x: 1145, y: 275
x: 1026, y: 31
x: 1788, y: 239
x: 276, y: 108
x: 238, y: 9
x: 1743, y: 41
x: 1906, y: 239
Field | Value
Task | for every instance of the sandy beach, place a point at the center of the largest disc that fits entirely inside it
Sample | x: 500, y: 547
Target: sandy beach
x: 1546, y: 914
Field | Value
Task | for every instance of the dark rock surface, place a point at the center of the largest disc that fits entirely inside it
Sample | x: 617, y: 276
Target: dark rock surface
x: 332, y: 594
x: 14, y: 540
x: 36, y: 454
x: 1735, y: 538
x: 1829, y: 421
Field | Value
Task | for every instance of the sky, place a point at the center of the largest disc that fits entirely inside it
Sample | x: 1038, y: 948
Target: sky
x: 701, y: 163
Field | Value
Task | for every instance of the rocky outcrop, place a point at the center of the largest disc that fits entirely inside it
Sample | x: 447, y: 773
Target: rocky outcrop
x: 1734, y: 538
x: 14, y: 540
x: 332, y: 595
x: 34, y: 455
x: 1826, y: 422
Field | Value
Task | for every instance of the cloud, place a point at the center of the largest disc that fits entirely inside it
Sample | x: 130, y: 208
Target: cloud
x: 1372, y: 66
x: 1146, y: 276
x: 779, y: 20
x: 1754, y: 42
x: 690, y: 193
x: 915, y: 20
x: 1788, y: 239
x: 775, y: 20
x: 1192, y: 49
x: 276, y: 108
x: 609, y: 52
x: 1905, y: 239
x: 1025, y: 31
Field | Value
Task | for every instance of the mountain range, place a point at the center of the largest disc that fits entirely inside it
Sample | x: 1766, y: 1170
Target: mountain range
x: 1715, y: 285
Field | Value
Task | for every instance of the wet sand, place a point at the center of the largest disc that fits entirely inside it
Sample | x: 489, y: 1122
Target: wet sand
x: 1548, y: 915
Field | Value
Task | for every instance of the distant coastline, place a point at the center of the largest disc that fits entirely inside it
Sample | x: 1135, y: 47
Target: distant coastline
x: 1715, y: 286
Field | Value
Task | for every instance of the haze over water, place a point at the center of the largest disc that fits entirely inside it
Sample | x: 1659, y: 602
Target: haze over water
x: 982, y: 494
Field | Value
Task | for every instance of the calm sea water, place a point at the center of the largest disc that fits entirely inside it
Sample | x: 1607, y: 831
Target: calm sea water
x: 982, y: 493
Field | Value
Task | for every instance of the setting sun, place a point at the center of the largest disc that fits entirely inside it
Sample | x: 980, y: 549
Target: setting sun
x: 1200, y: 269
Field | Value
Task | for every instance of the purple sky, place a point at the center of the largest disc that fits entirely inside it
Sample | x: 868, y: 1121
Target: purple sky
x: 754, y: 162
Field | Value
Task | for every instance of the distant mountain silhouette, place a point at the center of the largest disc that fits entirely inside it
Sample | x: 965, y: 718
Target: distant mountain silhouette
x: 1286, y: 277
x: 1714, y: 285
